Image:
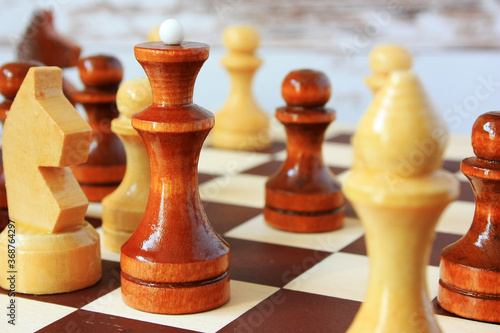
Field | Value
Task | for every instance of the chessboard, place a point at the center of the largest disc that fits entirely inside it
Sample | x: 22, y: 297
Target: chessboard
x: 280, y: 281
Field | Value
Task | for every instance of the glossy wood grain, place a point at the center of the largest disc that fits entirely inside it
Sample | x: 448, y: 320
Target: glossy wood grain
x: 174, y: 262
x: 303, y: 196
x: 470, y: 268
x: 105, y: 167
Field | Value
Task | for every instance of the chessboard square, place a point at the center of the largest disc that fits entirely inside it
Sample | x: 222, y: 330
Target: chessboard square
x: 224, y: 217
x: 334, y: 154
x: 337, y: 128
x: 109, y: 281
x: 346, y: 276
x: 270, y: 264
x: 204, y: 177
x: 458, y: 148
x: 341, y: 275
x: 344, y: 138
x: 440, y: 242
x: 466, y: 192
x: 452, y: 166
x: 244, y: 296
x: 228, y: 162
x: 95, y: 322
x: 94, y: 211
x: 295, y: 311
x: 31, y: 315
x: 257, y: 230
x: 457, y: 324
x: 266, y: 169
x: 457, y: 218
x: 337, y: 154
x: 244, y: 190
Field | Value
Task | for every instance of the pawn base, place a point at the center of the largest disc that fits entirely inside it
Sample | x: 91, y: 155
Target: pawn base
x: 471, y: 293
x: 175, y: 298
x: 304, y: 222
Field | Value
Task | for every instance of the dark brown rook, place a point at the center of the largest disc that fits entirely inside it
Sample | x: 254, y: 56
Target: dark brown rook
x: 304, y: 196
x: 174, y: 262
x: 470, y: 268
x: 105, y: 167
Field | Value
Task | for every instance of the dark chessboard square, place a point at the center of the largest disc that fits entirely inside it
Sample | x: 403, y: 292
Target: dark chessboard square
x: 270, y: 264
x: 224, y: 217
x: 466, y: 192
x: 95, y: 221
x: 341, y: 138
x: 437, y: 309
x: 440, y: 242
x: 110, y: 281
x: 337, y: 170
x: 289, y: 311
x: 266, y: 169
x: 83, y: 321
x: 451, y: 166
x: 275, y: 147
x: 205, y: 177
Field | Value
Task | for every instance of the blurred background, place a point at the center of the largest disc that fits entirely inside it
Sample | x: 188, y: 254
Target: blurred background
x: 456, y: 44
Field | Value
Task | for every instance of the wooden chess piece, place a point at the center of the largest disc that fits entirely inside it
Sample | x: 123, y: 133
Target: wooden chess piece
x: 56, y: 250
x: 398, y: 189
x: 43, y: 43
x: 11, y: 76
x: 470, y: 268
x: 123, y: 209
x: 304, y: 196
x: 105, y: 167
x: 241, y: 124
x: 174, y: 262
x: 385, y: 59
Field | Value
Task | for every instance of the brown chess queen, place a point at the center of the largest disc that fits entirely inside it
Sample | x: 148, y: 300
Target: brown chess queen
x: 174, y: 262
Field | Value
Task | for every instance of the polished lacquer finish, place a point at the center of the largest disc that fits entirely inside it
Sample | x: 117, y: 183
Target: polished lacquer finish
x: 470, y: 268
x: 304, y: 196
x: 174, y: 262
x: 105, y: 167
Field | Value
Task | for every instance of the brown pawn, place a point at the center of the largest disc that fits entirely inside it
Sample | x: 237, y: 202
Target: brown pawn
x: 11, y: 77
x: 304, y: 196
x: 105, y: 167
x: 174, y: 262
x: 43, y: 43
x: 470, y: 268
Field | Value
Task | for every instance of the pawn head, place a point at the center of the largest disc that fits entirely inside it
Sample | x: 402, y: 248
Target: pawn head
x: 306, y: 87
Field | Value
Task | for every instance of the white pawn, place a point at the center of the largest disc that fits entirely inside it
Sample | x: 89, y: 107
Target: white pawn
x: 123, y: 209
x: 241, y: 124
